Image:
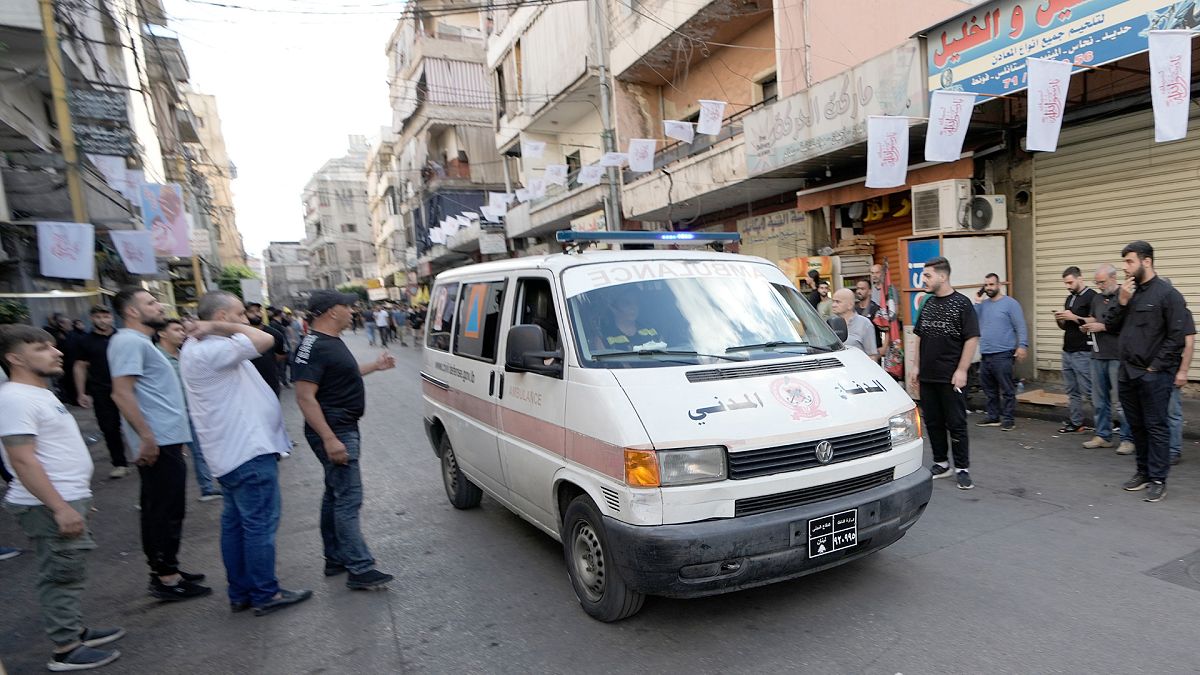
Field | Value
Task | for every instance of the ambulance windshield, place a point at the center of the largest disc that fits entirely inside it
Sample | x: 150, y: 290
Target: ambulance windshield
x: 674, y: 320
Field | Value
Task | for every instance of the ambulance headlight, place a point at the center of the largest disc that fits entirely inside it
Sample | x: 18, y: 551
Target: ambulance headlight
x: 692, y: 465
x: 905, y: 427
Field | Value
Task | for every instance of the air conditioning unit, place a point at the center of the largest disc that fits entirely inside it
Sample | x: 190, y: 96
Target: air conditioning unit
x: 940, y: 206
x: 989, y: 213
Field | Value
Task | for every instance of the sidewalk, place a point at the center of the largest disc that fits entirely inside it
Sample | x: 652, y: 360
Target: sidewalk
x: 1057, y: 411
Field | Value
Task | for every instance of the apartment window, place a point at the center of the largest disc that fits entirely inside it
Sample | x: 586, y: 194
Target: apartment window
x: 573, y: 164
x: 500, y: 92
x: 355, y: 257
x: 349, y: 228
x: 768, y: 88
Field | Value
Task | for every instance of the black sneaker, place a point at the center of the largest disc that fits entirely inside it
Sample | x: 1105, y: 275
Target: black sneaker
x: 964, y: 480
x: 333, y: 569
x: 81, y: 658
x: 1175, y: 459
x: 940, y: 471
x: 367, y: 580
x: 1069, y: 428
x: 1138, y: 482
x: 285, y: 599
x: 96, y: 637
x: 1155, y: 492
x: 1008, y: 426
x: 242, y: 606
x: 184, y: 590
x: 988, y: 423
x: 192, y: 577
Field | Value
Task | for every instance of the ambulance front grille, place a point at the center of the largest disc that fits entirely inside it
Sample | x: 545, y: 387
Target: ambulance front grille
x: 819, y: 493
x: 797, y: 456
x: 611, y: 498
x: 735, y: 373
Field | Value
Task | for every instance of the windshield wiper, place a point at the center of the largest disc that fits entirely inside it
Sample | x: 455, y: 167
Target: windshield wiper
x: 666, y: 352
x: 767, y: 345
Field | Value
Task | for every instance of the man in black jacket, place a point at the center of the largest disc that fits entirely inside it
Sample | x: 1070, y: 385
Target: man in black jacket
x: 1153, y: 319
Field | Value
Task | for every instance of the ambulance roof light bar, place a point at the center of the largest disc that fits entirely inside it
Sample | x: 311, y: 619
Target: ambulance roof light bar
x: 644, y: 237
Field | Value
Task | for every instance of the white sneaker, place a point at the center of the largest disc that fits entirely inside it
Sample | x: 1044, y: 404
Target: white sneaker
x: 1097, y: 442
x: 210, y: 498
x: 119, y: 472
x: 1126, y: 448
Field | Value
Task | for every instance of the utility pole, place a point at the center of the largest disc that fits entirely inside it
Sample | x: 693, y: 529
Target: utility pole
x: 62, y: 116
x: 612, y: 203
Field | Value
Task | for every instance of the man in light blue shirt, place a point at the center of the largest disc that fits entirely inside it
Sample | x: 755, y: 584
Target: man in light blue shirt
x: 1003, y: 340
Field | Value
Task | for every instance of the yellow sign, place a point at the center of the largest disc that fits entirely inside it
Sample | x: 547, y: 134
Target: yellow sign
x: 882, y: 207
x: 375, y: 282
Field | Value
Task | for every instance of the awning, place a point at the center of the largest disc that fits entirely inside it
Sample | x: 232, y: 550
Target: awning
x: 460, y: 84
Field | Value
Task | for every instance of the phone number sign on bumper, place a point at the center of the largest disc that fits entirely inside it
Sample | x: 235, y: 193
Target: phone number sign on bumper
x: 832, y: 533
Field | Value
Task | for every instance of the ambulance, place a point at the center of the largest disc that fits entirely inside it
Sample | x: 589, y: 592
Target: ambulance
x: 682, y: 421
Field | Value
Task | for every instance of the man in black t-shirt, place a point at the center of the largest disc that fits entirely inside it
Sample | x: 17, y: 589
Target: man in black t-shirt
x: 92, y: 381
x: 1077, y: 347
x: 330, y: 392
x: 947, y: 333
x: 269, y: 361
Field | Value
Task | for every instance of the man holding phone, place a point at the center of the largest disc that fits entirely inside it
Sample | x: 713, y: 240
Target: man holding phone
x: 1077, y: 347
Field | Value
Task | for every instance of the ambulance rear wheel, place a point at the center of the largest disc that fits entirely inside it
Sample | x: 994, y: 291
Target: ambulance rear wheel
x: 594, y: 574
x: 463, y: 494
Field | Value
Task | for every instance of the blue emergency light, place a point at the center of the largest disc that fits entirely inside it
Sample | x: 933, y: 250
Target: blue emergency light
x: 642, y: 237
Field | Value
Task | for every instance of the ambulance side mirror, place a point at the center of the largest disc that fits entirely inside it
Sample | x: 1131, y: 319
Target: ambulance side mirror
x: 525, y: 352
x: 838, y: 324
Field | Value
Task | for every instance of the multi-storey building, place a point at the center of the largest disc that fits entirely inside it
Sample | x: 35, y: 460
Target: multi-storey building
x: 285, y: 266
x: 217, y: 169
x: 442, y: 103
x: 389, y: 231
x: 337, y: 225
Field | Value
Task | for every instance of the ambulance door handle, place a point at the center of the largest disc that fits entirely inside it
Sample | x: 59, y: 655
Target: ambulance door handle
x: 492, y: 384
x: 501, y: 392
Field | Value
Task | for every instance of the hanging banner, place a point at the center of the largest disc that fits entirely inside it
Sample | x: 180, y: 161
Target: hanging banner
x: 137, y: 250
x: 522, y: 195
x: 537, y: 188
x: 498, y: 201
x: 490, y: 214
x: 591, y: 174
x: 163, y: 215
x: 450, y: 226
x: 67, y: 250
x: 491, y: 243
x: 614, y: 159
x: 1048, y: 84
x: 641, y: 154
x: 949, y: 115
x: 532, y: 149
x: 556, y: 174
x: 1170, y: 82
x: 682, y: 131
x: 711, y: 115
x: 436, y: 235
x: 887, y: 151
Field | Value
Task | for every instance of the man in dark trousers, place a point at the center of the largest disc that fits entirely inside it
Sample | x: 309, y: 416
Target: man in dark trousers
x: 1153, y: 320
x: 330, y: 393
x: 269, y: 362
x: 947, y: 333
x: 94, y: 385
x: 1077, y: 347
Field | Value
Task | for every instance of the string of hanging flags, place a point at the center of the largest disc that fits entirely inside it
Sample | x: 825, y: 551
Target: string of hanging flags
x: 1048, y: 81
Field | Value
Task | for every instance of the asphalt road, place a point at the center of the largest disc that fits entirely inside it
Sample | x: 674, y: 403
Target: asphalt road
x: 1046, y: 567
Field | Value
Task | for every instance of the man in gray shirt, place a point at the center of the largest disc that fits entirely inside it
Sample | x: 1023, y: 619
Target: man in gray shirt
x: 150, y: 397
x: 860, y: 332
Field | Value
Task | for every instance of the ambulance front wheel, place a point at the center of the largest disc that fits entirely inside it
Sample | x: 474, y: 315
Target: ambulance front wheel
x: 594, y: 574
x: 463, y: 494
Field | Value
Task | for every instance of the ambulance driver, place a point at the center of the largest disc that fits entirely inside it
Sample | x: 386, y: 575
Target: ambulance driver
x: 622, y: 329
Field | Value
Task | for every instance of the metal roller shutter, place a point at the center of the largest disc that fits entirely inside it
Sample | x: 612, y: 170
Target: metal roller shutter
x: 1108, y: 184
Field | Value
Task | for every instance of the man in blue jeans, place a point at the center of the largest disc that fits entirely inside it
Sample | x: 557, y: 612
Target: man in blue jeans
x: 1175, y: 408
x: 330, y: 393
x: 240, y: 424
x: 1077, y: 348
x: 1003, y: 339
x: 1106, y: 364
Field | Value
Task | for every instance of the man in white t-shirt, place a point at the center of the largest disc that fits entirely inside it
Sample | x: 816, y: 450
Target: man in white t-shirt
x: 240, y: 425
x: 51, y: 493
x: 383, y: 322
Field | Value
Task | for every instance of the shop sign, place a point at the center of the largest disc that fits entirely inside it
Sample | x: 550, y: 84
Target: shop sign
x: 919, y: 250
x: 886, y: 207
x: 91, y: 104
x: 984, y: 50
x: 374, y: 282
x: 592, y: 222
x: 774, y: 236
x: 96, y: 139
x: 833, y: 114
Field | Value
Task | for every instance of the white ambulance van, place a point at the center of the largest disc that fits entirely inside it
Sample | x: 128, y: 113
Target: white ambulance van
x: 683, y: 422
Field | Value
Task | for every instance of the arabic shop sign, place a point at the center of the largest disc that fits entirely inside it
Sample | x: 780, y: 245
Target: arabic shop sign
x: 984, y: 50
x: 832, y: 114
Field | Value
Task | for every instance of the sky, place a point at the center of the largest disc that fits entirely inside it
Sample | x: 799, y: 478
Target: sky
x: 290, y: 88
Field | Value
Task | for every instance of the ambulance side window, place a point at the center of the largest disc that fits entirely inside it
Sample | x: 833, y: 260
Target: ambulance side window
x: 535, y: 306
x: 477, y: 331
x: 440, y: 317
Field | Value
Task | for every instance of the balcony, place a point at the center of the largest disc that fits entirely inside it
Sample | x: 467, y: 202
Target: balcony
x: 558, y: 208
x: 658, y: 22
x: 466, y: 240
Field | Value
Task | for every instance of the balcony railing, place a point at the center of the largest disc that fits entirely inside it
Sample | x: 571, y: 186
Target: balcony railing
x: 673, y: 152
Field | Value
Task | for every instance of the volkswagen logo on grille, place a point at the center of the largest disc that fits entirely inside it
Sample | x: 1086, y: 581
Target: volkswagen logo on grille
x: 824, y: 452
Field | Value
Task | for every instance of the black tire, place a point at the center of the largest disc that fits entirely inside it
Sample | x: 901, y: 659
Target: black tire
x: 463, y: 494
x: 594, y: 575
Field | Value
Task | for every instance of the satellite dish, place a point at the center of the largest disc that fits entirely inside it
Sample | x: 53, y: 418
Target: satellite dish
x: 981, y: 214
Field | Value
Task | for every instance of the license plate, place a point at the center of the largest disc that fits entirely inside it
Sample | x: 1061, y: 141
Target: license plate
x: 832, y: 533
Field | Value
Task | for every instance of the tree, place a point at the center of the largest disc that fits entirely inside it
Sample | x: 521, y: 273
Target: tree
x: 12, y: 311
x: 360, y: 291
x: 231, y: 278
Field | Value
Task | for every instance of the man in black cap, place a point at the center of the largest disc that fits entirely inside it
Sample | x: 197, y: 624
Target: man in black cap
x: 268, y: 362
x: 329, y: 391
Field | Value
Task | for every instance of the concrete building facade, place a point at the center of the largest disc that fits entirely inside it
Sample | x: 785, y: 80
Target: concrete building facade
x: 218, y: 170
x: 285, y: 269
x: 337, y: 225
